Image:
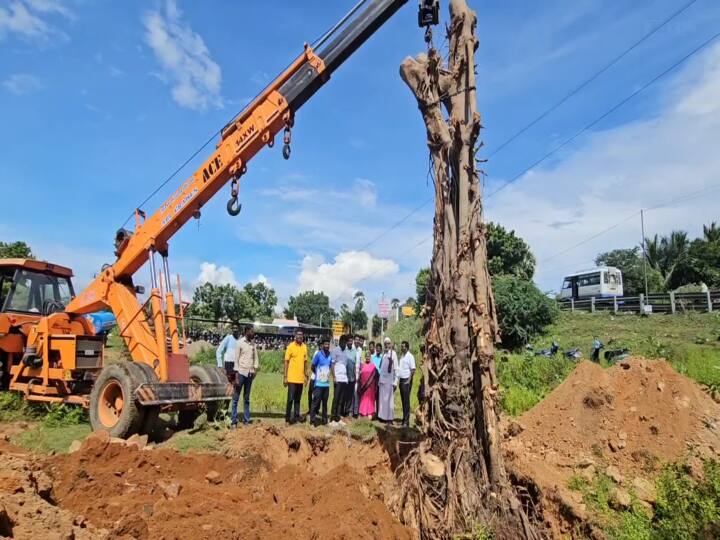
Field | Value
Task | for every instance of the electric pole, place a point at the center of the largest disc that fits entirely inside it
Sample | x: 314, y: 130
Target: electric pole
x: 642, y: 228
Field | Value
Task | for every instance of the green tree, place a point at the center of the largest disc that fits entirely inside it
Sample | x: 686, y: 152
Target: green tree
x: 376, y: 325
x: 15, y: 250
x: 222, y: 302
x: 359, y: 318
x: 346, y: 316
x: 523, y: 310
x: 310, y: 307
x: 711, y: 233
x: 264, y: 297
x: 629, y: 262
x: 508, y: 254
x: 704, y: 262
x: 669, y: 255
x: 421, y: 284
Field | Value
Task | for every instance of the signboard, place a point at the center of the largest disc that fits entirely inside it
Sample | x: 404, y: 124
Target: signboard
x: 408, y: 311
x: 383, y: 308
x: 338, y: 328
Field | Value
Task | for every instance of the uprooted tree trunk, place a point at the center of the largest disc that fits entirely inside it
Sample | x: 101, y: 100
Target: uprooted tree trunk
x: 455, y: 479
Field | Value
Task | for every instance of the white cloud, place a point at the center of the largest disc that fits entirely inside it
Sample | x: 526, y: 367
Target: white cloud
x: 614, y: 173
x: 217, y: 275
x: 363, y: 192
x: 185, y: 60
x: 28, y: 19
x: 340, y: 279
x: 262, y: 279
x: 22, y: 83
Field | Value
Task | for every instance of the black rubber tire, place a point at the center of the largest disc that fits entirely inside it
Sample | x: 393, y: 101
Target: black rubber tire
x: 205, y: 375
x: 150, y: 424
x: 131, y: 415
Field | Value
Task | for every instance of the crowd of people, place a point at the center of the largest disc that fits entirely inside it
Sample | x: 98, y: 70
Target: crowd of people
x: 363, y: 379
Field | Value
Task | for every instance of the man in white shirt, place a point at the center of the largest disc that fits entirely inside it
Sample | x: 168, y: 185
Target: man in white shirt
x: 339, y: 368
x: 246, y: 365
x: 358, y: 350
x: 405, y: 372
x: 225, y: 353
x: 387, y: 381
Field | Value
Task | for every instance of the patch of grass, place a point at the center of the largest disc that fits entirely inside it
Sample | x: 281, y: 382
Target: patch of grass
x: 479, y: 532
x: 527, y: 379
x: 270, y: 361
x: 13, y: 407
x: 364, y: 430
x: 687, y: 508
x: 206, y: 355
x: 61, y: 414
x: 42, y: 438
x: 200, y: 441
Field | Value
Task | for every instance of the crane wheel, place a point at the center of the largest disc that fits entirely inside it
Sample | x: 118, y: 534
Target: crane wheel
x: 203, y: 375
x: 150, y: 423
x: 112, y: 402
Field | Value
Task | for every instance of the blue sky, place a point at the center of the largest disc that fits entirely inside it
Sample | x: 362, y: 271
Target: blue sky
x: 101, y: 100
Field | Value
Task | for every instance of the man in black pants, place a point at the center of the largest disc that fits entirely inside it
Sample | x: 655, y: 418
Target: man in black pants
x: 405, y: 372
x: 339, y: 367
x: 321, y: 366
x: 296, y: 360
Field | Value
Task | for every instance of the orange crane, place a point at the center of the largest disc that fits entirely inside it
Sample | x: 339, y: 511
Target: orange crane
x: 48, y: 348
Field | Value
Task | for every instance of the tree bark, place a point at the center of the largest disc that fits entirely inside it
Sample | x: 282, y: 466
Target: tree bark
x: 455, y: 479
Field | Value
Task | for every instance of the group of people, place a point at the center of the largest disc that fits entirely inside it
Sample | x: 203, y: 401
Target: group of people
x: 363, y: 380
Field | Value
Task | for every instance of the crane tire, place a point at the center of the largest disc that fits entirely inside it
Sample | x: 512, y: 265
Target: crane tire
x: 150, y: 423
x: 204, y: 375
x: 113, y: 407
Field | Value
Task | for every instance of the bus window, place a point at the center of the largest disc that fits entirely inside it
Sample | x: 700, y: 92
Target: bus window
x: 606, y: 277
x: 567, y: 284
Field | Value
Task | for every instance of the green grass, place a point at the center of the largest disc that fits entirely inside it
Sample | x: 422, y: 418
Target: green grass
x: 686, y: 508
x: 201, y: 441
x: 42, y: 438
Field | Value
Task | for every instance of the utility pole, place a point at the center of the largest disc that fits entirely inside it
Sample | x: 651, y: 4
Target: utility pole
x: 642, y: 227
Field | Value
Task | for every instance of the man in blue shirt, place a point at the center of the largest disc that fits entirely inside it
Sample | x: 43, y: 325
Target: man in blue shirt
x: 225, y: 353
x: 321, y: 366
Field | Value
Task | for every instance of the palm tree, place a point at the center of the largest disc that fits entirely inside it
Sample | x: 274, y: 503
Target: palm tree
x: 653, y: 253
x: 711, y: 232
x: 359, y: 298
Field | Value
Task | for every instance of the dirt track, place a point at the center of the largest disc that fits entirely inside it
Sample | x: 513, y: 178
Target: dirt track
x: 113, y: 490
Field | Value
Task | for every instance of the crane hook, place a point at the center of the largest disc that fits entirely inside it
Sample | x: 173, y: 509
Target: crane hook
x: 233, y: 206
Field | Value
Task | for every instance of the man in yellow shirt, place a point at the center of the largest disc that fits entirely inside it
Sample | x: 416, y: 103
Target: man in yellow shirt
x: 296, y: 359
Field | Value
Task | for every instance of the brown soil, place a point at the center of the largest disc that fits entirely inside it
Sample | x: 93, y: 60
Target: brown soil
x: 631, y: 417
x: 269, y: 484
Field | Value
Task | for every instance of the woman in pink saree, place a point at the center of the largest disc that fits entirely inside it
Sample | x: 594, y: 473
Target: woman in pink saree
x: 367, y: 388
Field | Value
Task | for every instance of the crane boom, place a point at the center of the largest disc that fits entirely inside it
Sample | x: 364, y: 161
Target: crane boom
x: 255, y: 127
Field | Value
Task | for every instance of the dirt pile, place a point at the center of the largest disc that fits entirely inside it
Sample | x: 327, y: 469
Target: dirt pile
x: 625, y: 421
x: 158, y: 493
x: 27, y: 509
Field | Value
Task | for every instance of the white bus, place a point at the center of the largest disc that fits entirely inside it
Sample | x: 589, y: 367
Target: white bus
x: 603, y: 282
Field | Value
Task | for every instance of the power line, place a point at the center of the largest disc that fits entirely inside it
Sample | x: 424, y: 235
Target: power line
x: 591, y: 79
x: 606, y: 114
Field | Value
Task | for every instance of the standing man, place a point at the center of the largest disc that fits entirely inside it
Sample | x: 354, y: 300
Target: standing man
x: 225, y: 353
x: 321, y: 366
x: 339, y: 367
x: 296, y: 360
x: 387, y: 383
x: 246, y: 365
x: 358, y: 365
x: 405, y: 373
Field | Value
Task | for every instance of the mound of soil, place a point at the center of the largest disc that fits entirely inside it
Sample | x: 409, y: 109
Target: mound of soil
x: 159, y: 493
x: 27, y: 509
x: 625, y: 421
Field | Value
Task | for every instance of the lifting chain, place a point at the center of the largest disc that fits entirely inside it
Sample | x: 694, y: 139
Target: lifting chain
x: 233, y: 205
x: 286, y: 138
